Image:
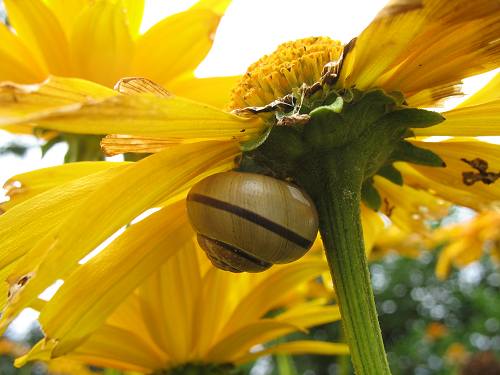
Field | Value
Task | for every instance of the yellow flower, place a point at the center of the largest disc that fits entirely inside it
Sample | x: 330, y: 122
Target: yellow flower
x: 395, y: 240
x: 457, y: 353
x: 187, y: 313
x: 100, y: 41
x: 408, y: 57
x: 62, y: 366
x: 435, y: 331
x: 466, y: 242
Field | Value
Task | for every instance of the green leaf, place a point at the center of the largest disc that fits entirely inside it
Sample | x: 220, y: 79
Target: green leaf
x: 405, y: 151
x: 390, y: 173
x: 414, y: 118
x: 370, y: 195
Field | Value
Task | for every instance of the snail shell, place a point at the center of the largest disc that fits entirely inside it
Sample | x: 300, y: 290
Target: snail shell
x: 248, y: 222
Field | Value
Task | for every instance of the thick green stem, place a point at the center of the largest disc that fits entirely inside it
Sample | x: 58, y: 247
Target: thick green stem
x: 336, y: 189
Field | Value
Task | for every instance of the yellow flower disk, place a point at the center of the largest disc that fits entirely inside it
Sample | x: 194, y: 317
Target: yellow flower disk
x: 292, y: 65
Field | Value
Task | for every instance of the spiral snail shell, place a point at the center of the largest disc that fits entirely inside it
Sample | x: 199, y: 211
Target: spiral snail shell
x: 248, y: 222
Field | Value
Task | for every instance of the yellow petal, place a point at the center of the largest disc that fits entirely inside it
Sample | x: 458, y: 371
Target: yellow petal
x: 217, y: 6
x: 118, y: 348
x: 175, y: 45
x: 215, y: 91
x: 97, y: 288
x: 26, y: 223
x: 213, y: 306
x: 138, y: 85
x: 297, y: 348
x: 39, y: 28
x: 67, y: 12
x: 408, y: 207
x: 134, y: 12
x: 171, y: 324
x: 114, y: 144
x: 307, y: 316
x: 236, y: 344
x: 41, y: 351
x: 4, y: 287
x: 438, y: 57
x: 145, y: 115
x: 269, y: 293
x: 68, y: 366
x: 19, y: 103
x: 490, y: 92
x: 435, y: 96
x: 372, y: 226
x: 433, y: 187
x: 445, y: 260
x: 27, y: 185
x: 471, y: 121
x: 449, y: 180
x: 138, y: 187
x: 101, y: 43
x: 17, y: 63
x: 19, y: 129
x: 404, y: 27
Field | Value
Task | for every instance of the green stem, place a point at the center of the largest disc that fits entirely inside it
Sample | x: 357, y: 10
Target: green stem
x: 335, y: 185
x: 344, y: 361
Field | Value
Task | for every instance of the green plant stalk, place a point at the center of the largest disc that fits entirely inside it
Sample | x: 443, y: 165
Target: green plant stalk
x: 345, y: 367
x: 334, y: 157
x: 285, y: 364
x: 338, y: 206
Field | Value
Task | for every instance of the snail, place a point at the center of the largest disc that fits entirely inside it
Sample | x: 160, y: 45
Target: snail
x: 247, y: 222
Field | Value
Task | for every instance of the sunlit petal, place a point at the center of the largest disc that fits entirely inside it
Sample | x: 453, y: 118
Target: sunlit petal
x: 104, y: 27
x: 39, y: 28
x: 188, y: 36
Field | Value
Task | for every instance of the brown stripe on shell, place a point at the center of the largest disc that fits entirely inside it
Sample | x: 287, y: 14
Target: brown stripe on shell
x: 252, y: 217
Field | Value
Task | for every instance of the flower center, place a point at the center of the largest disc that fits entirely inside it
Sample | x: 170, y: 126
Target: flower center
x: 310, y: 119
x: 292, y: 65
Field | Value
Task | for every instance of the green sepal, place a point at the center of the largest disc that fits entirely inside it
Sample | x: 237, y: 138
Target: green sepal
x: 284, y: 144
x: 413, y: 118
x: 328, y: 128
x: 253, y: 143
x: 389, y: 172
x: 398, y: 97
x: 330, y: 97
x: 49, y: 144
x: 336, y: 107
x: 249, y: 164
x: 370, y: 195
x: 405, y: 151
x: 366, y: 110
x: 82, y: 147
